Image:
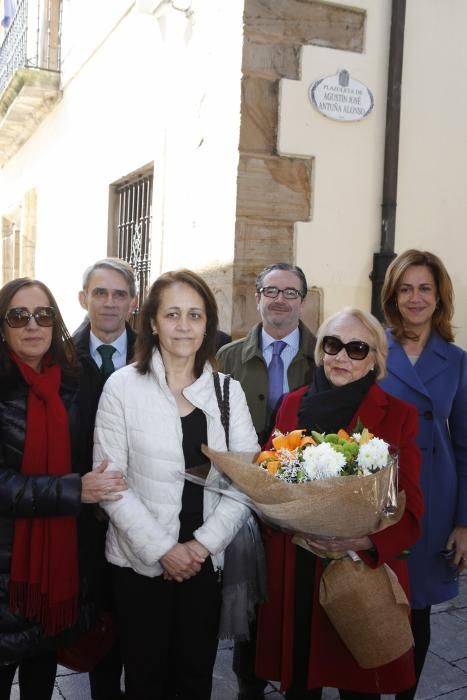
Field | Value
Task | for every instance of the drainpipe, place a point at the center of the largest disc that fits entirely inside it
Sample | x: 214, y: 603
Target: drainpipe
x: 386, y: 254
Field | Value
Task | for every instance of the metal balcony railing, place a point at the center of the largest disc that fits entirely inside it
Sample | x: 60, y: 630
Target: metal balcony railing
x: 32, y: 40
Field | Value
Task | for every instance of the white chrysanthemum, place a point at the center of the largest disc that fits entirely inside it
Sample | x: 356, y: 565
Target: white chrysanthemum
x: 357, y: 437
x: 373, y: 456
x: 322, y: 461
x: 309, y: 462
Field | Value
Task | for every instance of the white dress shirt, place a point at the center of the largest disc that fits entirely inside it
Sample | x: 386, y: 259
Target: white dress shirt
x: 120, y: 344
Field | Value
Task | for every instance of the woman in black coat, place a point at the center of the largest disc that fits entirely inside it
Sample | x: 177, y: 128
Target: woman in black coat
x: 49, y: 538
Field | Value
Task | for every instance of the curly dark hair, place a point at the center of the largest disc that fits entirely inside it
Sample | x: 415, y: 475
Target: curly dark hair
x: 146, y: 341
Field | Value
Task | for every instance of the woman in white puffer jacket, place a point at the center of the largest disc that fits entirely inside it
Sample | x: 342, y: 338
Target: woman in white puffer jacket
x: 167, y: 536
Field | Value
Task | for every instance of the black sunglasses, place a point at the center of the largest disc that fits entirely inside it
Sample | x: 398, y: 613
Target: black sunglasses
x: 19, y: 317
x: 355, y: 349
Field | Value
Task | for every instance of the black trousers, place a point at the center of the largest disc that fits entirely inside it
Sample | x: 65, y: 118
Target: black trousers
x: 168, y: 633
x: 421, y: 629
x: 243, y: 665
x: 105, y: 678
x: 36, y: 677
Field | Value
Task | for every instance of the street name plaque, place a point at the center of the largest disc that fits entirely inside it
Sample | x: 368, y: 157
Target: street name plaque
x: 341, y: 97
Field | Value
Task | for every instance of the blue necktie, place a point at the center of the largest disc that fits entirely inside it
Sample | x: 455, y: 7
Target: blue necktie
x: 276, y: 374
x: 106, y: 352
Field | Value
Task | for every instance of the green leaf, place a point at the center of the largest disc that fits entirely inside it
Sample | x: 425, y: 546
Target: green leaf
x: 358, y: 426
x: 332, y: 438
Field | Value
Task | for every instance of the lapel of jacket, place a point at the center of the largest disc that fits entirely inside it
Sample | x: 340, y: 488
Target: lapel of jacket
x: 130, y: 343
x: 433, y: 360
x: 307, y: 342
x: 372, y: 409
x: 252, y: 344
x: 400, y: 366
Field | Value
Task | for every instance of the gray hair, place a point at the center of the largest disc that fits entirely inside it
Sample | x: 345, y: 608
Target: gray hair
x: 372, y: 325
x: 115, y: 264
x: 286, y: 267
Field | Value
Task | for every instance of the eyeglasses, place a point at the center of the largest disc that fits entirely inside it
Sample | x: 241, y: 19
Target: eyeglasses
x: 273, y: 292
x: 19, y: 317
x: 355, y: 349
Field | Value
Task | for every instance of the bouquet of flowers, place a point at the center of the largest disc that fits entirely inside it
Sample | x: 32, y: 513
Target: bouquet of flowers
x: 344, y: 486
x: 334, y: 485
x: 297, y: 458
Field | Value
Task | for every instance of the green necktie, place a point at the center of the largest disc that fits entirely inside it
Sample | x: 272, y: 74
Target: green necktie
x: 106, y: 352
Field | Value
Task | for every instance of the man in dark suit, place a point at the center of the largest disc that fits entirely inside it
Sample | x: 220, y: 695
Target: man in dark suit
x: 276, y: 354
x: 109, y: 297
x: 281, y: 289
x: 105, y: 342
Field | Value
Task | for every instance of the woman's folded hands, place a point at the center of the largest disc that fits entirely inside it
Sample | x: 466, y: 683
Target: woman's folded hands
x: 183, y: 561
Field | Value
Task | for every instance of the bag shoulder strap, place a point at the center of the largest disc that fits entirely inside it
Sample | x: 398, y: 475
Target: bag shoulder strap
x: 223, y: 400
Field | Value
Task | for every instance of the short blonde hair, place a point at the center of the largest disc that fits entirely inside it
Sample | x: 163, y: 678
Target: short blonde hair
x: 379, y: 342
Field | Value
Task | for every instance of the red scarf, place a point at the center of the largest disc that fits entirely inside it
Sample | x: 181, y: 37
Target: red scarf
x: 44, y: 569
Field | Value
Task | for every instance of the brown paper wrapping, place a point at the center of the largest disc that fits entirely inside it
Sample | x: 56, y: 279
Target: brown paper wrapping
x: 343, y: 506
x: 368, y: 609
x: 383, y: 524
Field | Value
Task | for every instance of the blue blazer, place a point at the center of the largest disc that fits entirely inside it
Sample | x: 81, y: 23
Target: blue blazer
x: 437, y: 386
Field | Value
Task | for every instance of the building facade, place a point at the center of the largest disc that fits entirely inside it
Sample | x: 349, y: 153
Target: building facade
x: 182, y: 133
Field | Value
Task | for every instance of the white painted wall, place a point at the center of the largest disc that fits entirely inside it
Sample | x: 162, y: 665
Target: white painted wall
x: 336, y: 246
x: 137, y: 88
x: 166, y: 88
x: 432, y: 192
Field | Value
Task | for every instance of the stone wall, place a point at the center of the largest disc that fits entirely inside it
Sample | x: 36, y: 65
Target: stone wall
x: 275, y: 191
x: 18, y: 239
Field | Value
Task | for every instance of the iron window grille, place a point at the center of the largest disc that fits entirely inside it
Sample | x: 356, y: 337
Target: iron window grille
x: 133, y: 214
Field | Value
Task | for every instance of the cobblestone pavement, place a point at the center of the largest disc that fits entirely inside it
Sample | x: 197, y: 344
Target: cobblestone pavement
x: 444, y: 676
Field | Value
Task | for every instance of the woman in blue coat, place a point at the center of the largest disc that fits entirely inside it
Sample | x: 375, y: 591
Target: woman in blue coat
x: 426, y: 369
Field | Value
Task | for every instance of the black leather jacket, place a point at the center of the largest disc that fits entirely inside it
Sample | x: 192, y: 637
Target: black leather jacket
x: 36, y: 496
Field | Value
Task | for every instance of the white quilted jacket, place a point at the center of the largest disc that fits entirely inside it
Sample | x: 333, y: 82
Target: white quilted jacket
x: 139, y: 431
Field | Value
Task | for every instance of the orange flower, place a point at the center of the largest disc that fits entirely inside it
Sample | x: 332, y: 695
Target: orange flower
x: 289, y: 441
x: 266, y: 455
x: 307, y: 441
x: 272, y: 467
x: 284, y: 444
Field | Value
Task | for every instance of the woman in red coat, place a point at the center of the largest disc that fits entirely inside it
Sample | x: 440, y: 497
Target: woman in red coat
x: 297, y: 644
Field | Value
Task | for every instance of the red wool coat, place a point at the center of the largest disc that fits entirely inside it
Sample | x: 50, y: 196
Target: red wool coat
x: 330, y: 663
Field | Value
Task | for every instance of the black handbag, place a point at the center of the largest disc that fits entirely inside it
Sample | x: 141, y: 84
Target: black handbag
x: 223, y: 400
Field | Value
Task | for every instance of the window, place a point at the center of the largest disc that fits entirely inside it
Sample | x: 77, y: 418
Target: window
x: 130, y: 226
